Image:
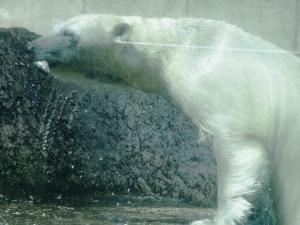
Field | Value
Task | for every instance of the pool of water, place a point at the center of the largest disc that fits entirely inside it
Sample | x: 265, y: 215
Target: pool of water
x: 104, y: 211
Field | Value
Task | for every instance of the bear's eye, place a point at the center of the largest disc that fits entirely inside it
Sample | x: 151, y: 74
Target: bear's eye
x: 67, y: 33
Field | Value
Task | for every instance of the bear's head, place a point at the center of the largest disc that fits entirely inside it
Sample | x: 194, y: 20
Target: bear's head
x: 101, y: 43
x: 69, y: 41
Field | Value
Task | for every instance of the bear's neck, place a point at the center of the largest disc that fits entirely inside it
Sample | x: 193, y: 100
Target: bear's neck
x: 139, y: 70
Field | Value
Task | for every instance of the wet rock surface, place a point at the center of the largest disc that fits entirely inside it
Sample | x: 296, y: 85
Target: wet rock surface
x: 59, y: 139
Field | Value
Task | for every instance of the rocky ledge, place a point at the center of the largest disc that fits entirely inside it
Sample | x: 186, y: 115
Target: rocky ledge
x: 59, y: 138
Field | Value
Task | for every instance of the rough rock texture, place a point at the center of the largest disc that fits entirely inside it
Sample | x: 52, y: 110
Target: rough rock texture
x: 57, y: 138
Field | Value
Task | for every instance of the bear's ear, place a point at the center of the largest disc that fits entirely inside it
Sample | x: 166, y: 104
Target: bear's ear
x: 121, y: 30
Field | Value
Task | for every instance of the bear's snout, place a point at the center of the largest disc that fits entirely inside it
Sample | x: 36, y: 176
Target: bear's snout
x: 54, y: 48
x: 45, y: 43
x: 41, y: 48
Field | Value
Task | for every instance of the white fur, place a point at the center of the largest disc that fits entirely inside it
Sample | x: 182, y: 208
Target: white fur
x: 239, y: 88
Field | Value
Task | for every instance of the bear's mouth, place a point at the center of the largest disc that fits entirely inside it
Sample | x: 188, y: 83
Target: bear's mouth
x: 55, y: 58
x: 45, y: 61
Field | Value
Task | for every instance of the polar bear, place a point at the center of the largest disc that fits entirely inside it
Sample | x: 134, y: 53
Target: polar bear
x: 240, y: 89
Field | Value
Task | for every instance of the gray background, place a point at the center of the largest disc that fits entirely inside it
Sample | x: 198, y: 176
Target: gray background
x: 275, y: 20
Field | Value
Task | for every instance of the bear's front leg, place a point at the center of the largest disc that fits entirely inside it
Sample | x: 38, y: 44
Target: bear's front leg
x: 242, y: 170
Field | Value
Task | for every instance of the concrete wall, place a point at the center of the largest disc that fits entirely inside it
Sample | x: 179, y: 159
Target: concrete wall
x: 274, y: 20
x: 297, y: 38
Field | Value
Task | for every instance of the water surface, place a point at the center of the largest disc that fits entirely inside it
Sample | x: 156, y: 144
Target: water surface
x: 106, y: 210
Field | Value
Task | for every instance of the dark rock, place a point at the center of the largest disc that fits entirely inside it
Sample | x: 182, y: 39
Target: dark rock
x: 58, y: 138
